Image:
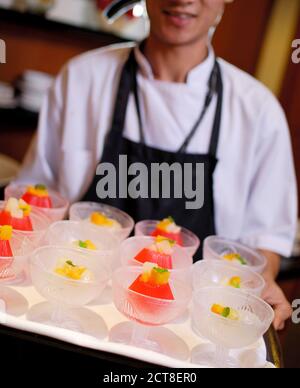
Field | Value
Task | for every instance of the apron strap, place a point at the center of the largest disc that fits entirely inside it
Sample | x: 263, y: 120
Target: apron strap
x: 125, y: 87
x: 215, y: 86
x: 128, y: 84
x: 218, y: 117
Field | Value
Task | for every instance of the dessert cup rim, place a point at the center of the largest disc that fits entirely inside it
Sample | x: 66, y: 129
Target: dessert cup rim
x: 54, y: 275
x: 51, y: 192
x: 100, y: 251
x: 240, y: 293
x: 259, y: 256
x: 183, y: 229
x: 180, y: 249
x: 114, y: 209
x: 35, y: 212
x: 242, y: 269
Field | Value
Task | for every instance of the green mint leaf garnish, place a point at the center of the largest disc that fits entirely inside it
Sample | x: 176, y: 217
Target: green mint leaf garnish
x: 82, y: 244
x: 70, y: 263
x: 160, y: 270
x: 40, y: 187
x: 242, y: 260
x: 226, y: 312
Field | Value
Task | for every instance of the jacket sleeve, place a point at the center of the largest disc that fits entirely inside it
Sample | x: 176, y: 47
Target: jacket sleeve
x: 41, y: 163
x: 271, y: 216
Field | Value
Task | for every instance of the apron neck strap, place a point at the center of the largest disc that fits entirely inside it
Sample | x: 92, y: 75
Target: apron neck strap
x: 124, y: 89
x: 218, y: 116
x: 128, y: 85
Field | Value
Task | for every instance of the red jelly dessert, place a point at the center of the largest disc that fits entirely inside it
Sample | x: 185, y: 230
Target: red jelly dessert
x: 38, y: 196
x: 159, y: 253
x: 169, y: 229
x: 153, y: 282
x: 6, y: 254
x: 5, y: 237
x: 17, y: 215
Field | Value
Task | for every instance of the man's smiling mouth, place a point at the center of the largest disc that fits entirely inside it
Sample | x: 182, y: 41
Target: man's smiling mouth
x: 180, y: 15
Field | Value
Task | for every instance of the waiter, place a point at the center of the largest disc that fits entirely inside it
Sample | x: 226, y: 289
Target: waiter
x: 170, y: 100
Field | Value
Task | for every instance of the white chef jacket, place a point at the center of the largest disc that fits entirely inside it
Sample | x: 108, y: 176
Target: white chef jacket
x: 254, y: 183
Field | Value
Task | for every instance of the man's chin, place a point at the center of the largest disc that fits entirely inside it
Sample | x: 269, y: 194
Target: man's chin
x: 178, y: 41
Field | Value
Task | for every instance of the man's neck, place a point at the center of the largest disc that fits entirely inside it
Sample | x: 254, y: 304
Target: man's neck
x: 173, y: 63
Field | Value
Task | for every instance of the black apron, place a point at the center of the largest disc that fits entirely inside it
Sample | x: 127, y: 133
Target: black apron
x: 200, y: 221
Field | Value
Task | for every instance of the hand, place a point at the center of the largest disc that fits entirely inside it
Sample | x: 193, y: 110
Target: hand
x: 276, y: 298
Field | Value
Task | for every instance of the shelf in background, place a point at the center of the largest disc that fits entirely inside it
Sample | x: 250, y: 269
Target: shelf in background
x: 40, y: 21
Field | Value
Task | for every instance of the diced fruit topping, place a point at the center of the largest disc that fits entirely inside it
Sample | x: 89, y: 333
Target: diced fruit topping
x: 169, y: 225
x: 88, y: 244
x: 18, y: 208
x: 225, y: 312
x: 155, y: 275
x: 235, y: 282
x: 38, y: 190
x: 68, y: 269
x: 163, y: 245
x: 38, y: 196
x: 169, y: 229
x: 100, y: 219
x: 235, y: 257
x: 6, y: 232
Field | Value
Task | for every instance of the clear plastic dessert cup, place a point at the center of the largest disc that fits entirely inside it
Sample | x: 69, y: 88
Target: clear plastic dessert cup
x: 131, y: 247
x: 215, y: 273
x: 81, y: 211
x: 191, y: 242
x: 69, y: 234
x: 215, y: 248
x: 14, y: 270
x: 40, y: 224
x: 146, y: 311
x: 56, y: 213
x: 253, y: 318
x: 62, y: 292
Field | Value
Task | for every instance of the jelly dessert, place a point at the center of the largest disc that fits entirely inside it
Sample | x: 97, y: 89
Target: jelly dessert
x: 88, y: 244
x: 153, y: 282
x: 169, y: 229
x: 6, y: 253
x: 100, y: 219
x: 17, y: 215
x: 235, y: 258
x: 69, y: 270
x: 38, y: 196
x: 160, y: 253
x: 5, y: 237
x: 225, y: 312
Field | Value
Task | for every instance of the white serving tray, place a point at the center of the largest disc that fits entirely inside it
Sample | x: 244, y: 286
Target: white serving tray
x: 101, y: 317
